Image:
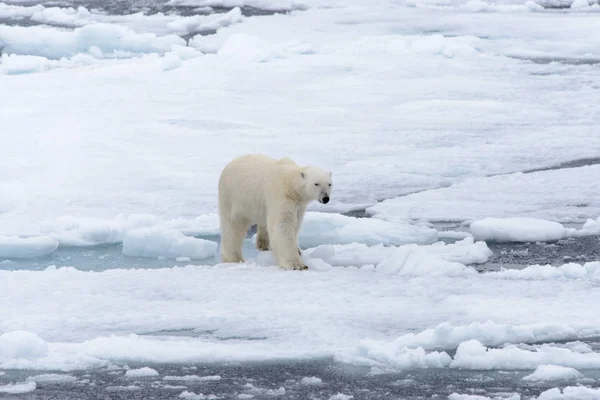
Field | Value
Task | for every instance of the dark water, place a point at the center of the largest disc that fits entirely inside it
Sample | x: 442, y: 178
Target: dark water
x: 284, y: 380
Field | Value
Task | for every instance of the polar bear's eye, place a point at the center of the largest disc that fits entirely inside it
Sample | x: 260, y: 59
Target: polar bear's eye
x: 330, y: 185
x: 316, y: 184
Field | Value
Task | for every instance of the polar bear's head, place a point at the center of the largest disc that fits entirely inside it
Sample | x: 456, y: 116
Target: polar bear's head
x: 316, y: 184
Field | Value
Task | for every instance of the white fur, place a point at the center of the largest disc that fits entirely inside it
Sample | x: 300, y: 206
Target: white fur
x: 256, y: 189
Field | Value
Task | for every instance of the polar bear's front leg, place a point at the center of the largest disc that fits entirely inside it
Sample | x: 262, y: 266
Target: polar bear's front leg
x: 300, y: 218
x: 282, y: 225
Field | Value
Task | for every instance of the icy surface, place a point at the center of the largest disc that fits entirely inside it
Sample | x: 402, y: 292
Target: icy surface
x: 196, y: 298
x: 519, y: 230
x: 469, y: 108
x: 553, y: 373
x: 533, y: 195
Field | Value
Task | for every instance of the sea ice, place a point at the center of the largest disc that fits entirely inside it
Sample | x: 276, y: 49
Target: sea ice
x: 18, y: 388
x: 141, y: 372
x: 570, y: 393
x: 553, y: 373
x: 17, y: 247
x: 472, y: 354
x: 323, y: 228
x: 157, y: 242
x: 515, y: 195
x: 519, y: 230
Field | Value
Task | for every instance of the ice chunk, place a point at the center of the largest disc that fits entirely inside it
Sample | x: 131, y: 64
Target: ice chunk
x: 17, y: 247
x: 465, y: 251
x: 18, y: 388
x: 411, y: 261
x: 206, y: 23
x: 128, y: 388
x: 141, y: 372
x: 591, y: 227
x: 71, y: 231
x: 570, y: 393
x: 22, y: 344
x: 311, y: 380
x: 158, y: 242
x: 587, y: 271
x: 192, y: 378
x: 474, y: 355
x: 387, y: 355
x: 274, y: 5
x: 531, y: 195
x: 341, y: 396
x: 111, y: 40
x: 323, y: 228
x: 193, y: 396
x: 456, y: 396
x: 553, y: 373
x: 519, y: 230
x: 448, y: 337
x: 61, y: 16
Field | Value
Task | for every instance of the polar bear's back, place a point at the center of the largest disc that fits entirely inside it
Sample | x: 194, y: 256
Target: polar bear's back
x: 245, y: 182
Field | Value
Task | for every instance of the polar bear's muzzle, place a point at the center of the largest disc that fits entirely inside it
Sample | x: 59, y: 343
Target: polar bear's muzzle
x: 324, y: 200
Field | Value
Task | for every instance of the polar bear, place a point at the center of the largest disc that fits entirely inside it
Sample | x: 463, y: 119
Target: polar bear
x: 273, y: 194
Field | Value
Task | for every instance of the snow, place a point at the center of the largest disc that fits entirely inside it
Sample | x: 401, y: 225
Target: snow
x: 519, y: 230
x: 18, y: 388
x: 141, y: 372
x: 17, y: 247
x: 553, y: 373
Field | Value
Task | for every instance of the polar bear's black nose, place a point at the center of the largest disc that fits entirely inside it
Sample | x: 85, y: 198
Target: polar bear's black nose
x: 325, y: 200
